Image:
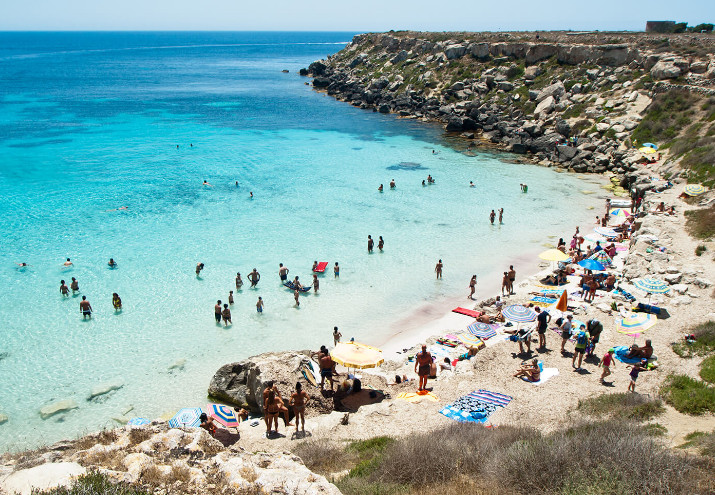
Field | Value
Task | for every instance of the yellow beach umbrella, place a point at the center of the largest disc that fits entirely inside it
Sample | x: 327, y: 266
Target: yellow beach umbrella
x: 635, y: 323
x: 694, y: 190
x: 646, y: 150
x: 355, y: 355
x: 554, y: 255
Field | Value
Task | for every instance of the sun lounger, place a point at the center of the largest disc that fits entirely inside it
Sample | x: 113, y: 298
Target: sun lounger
x: 467, y: 312
x: 321, y: 267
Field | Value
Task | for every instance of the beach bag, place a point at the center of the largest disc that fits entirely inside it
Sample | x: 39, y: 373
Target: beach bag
x: 581, y: 339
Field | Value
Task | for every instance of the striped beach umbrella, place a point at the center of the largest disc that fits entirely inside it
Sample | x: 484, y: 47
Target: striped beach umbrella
x: 652, y: 285
x: 468, y: 338
x: 620, y: 212
x: 635, y: 323
x: 694, y: 190
x: 602, y: 257
x: 188, y: 416
x: 518, y: 313
x: 606, y: 231
x: 138, y: 421
x: 483, y: 330
x: 223, y: 414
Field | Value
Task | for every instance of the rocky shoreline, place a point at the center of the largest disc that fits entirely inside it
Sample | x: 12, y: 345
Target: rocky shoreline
x: 525, y: 97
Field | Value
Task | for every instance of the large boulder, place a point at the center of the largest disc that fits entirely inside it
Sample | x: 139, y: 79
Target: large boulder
x: 479, y: 50
x: 321, y: 82
x: 317, y: 68
x: 556, y: 90
x: 400, y: 57
x: 539, y: 52
x: 665, y: 70
x: 563, y: 127
x: 546, y: 106
x: 42, y: 477
x: 455, y: 51
x: 454, y: 124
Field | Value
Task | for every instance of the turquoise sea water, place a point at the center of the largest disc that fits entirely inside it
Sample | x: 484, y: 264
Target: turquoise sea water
x: 90, y: 122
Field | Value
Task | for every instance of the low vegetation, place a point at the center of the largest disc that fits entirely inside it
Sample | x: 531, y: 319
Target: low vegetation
x: 688, y: 395
x: 622, y: 406
x: 704, y: 443
x: 701, y: 223
x: 704, y: 344
x: 707, y: 369
x: 93, y: 484
x: 606, y: 457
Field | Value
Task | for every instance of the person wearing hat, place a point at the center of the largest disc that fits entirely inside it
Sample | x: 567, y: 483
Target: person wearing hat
x: 606, y: 363
x: 423, y: 362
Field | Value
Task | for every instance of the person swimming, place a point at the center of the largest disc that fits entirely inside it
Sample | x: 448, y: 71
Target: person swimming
x: 112, y: 263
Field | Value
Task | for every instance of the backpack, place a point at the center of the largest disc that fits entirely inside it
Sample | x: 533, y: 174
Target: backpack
x: 581, y: 339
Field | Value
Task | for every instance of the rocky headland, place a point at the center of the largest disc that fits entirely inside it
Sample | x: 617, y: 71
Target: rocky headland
x: 524, y: 92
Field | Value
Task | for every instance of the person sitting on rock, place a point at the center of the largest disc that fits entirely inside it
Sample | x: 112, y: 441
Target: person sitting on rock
x: 207, y: 423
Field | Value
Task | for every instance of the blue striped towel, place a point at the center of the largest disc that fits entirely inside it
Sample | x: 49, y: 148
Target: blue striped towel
x: 491, y: 397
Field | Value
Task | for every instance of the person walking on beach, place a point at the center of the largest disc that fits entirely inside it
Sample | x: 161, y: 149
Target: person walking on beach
x: 582, y: 338
x: 566, y: 330
x: 423, y: 361
x: 316, y: 284
x: 336, y: 270
x: 259, y: 305
x: 336, y: 336
x: 501, y: 215
x: 254, y: 277
x: 74, y: 285
x: 505, y: 283
x: 438, y: 269
x: 64, y: 290
x: 472, y: 287
x: 116, y: 301
x: 298, y: 400
x: 370, y: 244
x: 85, y: 308
x: 543, y: 318
x: 380, y: 244
x: 226, y: 315
x: 296, y: 296
x: 636, y: 369
x: 199, y: 267
x: 492, y: 216
x: 239, y: 281
x: 283, y: 272
x: 512, y: 278
x: 606, y: 363
x: 217, y: 312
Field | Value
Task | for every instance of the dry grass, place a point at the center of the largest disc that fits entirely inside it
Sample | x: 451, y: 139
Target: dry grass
x: 138, y: 435
x: 622, y: 406
x: 325, y: 456
x: 153, y: 476
x: 107, y: 459
x: 104, y: 437
x: 701, y: 223
x: 604, y: 458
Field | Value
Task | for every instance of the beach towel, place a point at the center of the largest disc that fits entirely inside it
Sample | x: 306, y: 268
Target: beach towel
x: 475, y: 407
x: 545, y: 375
x: 414, y: 397
x: 448, y: 343
x: 467, y: 312
x: 483, y: 332
x: 439, y: 351
x: 555, y: 292
x: 621, y: 352
x: 321, y: 267
x: 544, y: 302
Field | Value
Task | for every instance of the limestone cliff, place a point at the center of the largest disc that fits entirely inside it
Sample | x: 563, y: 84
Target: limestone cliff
x: 523, y: 92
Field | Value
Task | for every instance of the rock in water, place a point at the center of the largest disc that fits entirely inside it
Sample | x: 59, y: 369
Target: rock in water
x: 57, y: 407
x: 178, y: 365
x: 105, y: 388
x: 3, y: 418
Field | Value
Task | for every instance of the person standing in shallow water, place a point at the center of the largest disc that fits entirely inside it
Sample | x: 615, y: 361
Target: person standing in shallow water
x: 501, y: 215
x: 370, y: 244
x: 316, y: 284
x: 254, y: 277
x: 472, y: 287
x: 64, y: 290
x: 116, y: 301
x: 74, y: 285
x: 492, y: 216
x: 336, y: 270
x: 259, y: 305
x: 283, y: 272
x: 296, y: 296
x: 217, y: 312
x: 239, y: 281
x: 336, y: 336
x: 226, y: 315
x: 438, y: 269
x: 85, y: 308
x: 380, y: 244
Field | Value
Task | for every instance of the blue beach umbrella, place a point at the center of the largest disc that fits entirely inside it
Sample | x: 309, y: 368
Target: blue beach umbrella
x: 651, y: 145
x: 590, y: 264
x: 652, y: 285
x: 138, y: 421
x: 518, y: 313
x: 188, y: 416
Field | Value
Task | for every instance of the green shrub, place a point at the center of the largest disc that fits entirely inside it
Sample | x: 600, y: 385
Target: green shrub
x: 700, y: 249
x: 703, y: 442
x: 93, y: 484
x: 622, y: 406
x: 687, y: 395
x: 704, y: 341
x: 707, y: 369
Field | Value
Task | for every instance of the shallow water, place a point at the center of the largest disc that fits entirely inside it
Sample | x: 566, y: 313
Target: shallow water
x: 91, y: 122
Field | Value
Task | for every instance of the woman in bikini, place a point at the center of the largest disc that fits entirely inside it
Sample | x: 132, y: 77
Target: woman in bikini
x: 271, y: 409
x: 530, y: 371
x: 298, y: 400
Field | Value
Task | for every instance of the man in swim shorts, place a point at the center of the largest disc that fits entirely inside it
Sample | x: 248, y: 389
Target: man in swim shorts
x: 512, y: 278
x: 217, y: 311
x: 492, y: 216
x: 438, y: 269
x: 74, y: 285
x: 370, y: 244
x: 326, y: 368
x: 423, y: 360
x: 543, y: 319
x: 254, y: 277
x: 259, y: 305
x: 283, y: 272
x: 336, y: 270
x: 85, y: 308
